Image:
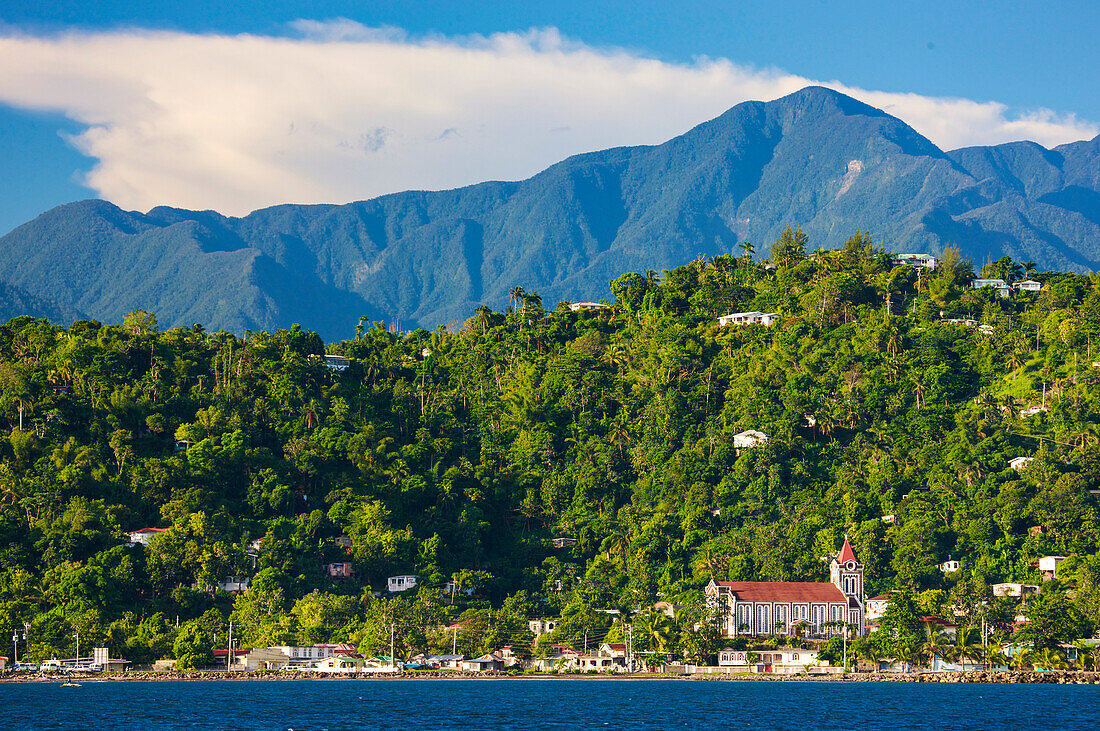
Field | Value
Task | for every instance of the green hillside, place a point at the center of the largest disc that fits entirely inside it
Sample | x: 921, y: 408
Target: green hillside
x: 459, y: 455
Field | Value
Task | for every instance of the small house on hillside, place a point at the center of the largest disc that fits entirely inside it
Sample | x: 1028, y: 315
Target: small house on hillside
x: 541, y: 627
x: 923, y: 261
x: 1018, y: 463
x: 400, y: 583
x: 339, y: 570
x: 1028, y: 285
x: 582, y: 306
x: 143, y: 535
x: 1048, y: 566
x: 998, y: 284
x: 336, y: 362
x: 748, y: 439
x: 1018, y: 591
x: 749, y: 318
x: 563, y: 542
x: 876, y: 606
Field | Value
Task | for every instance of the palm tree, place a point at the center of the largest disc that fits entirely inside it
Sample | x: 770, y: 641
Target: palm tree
x: 658, y: 628
x: 935, y: 643
x: 515, y: 296
x: 618, y: 435
x: 872, y: 654
x: 910, y: 655
x: 1049, y: 659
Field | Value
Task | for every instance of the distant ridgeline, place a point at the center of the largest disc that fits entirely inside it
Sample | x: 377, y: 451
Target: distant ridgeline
x: 559, y: 463
x: 421, y: 259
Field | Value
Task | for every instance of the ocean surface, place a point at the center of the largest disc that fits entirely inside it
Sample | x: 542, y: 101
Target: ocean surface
x: 573, y: 704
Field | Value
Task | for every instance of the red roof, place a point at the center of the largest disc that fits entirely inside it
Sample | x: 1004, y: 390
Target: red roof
x: 784, y: 591
x: 148, y: 530
x: 846, y: 552
x: 617, y: 646
x: 879, y: 598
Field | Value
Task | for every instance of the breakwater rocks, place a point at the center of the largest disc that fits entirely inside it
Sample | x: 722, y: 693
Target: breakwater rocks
x: 277, y: 675
x: 1049, y: 677
x: 1046, y: 677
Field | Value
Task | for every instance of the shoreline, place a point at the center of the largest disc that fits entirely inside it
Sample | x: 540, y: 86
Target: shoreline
x: 1051, y: 677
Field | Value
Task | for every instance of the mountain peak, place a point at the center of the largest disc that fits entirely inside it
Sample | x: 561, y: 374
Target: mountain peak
x: 816, y: 158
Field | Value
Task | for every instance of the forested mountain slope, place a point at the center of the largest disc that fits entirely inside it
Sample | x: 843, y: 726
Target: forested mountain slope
x: 459, y: 455
x: 816, y: 157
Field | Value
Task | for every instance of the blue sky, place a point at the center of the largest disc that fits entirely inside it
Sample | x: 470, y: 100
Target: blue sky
x: 450, y: 92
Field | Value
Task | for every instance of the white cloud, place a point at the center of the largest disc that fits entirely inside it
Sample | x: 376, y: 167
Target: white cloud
x: 344, y: 112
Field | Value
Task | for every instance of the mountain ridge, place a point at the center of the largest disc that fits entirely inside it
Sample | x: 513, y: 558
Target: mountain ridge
x: 815, y: 159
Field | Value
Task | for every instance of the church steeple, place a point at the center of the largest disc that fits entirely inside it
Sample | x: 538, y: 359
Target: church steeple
x: 846, y: 552
x: 846, y: 573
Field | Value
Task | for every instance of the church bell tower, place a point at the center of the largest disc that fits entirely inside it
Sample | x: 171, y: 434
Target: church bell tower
x: 846, y: 573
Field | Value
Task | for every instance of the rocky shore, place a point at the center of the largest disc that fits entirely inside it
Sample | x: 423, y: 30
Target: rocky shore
x: 1052, y: 677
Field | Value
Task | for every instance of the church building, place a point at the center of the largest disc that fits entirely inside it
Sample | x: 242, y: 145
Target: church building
x: 758, y: 608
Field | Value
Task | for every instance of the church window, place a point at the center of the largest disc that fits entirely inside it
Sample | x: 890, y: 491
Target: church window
x: 762, y: 619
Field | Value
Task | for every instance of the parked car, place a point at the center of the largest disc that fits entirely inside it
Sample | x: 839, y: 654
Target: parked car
x: 50, y: 666
x: 25, y: 666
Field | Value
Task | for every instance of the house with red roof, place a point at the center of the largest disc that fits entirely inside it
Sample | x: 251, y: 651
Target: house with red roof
x: 760, y: 608
x: 142, y: 535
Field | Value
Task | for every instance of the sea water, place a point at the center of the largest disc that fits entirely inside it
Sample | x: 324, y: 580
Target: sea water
x: 544, y: 703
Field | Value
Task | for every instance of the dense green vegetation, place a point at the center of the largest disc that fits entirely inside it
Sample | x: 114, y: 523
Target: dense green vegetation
x: 459, y: 455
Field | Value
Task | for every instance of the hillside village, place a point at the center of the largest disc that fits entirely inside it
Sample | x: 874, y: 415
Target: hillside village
x: 821, y: 461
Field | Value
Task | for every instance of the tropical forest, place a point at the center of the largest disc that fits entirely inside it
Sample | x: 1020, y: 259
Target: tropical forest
x: 571, y: 463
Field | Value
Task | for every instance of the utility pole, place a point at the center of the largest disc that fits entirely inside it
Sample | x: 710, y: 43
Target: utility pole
x: 454, y: 640
x: 393, y: 629
x: 629, y: 648
x: 78, y: 648
x: 229, y: 655
x: 15, y: 642
x: 585, y: 640
x: 845, y: 642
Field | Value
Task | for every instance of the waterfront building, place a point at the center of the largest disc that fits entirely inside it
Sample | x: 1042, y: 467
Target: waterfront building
x: 814, y: 609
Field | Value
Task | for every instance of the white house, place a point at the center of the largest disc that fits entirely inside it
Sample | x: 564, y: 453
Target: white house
x: 748, y: 439
x: 563, y: 542
x: 580, y: 306
x: 1031, y: 411
x: 925, y: 261
x: 445, y: 661
x: 876, y: 607
x: 340, y: 665
x: 233, y: 584
x: 949, y: 567
x: 781, y: 660
x: 143, y: 535
x: 1015, y: 590
x: 1028, y: 285
x: 749, y: 318
x: 1048, y: 566
x: 1018, y: 463
x: 336, y: 362
x: 998, y: 284
x: 484, y: 663
x: 541, y: 627
x: 309, y: 654
x: 400, y: 583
